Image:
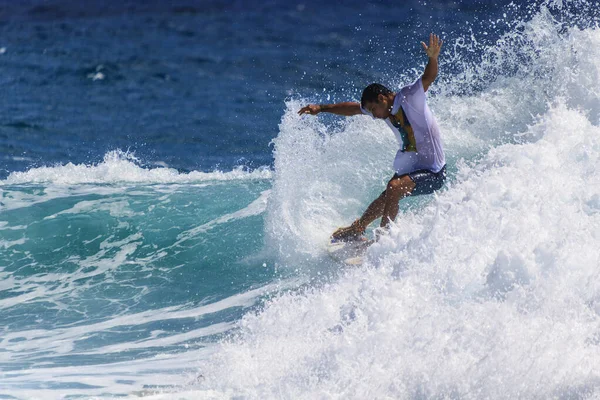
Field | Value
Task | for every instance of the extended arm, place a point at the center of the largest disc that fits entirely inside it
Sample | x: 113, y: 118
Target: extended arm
x: 347, y: 109
x: 433, y: 52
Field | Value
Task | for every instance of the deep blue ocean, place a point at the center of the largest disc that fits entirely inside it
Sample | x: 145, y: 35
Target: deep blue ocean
x: 164, y: 210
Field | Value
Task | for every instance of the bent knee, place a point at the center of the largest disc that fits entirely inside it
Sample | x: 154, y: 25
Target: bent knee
x: 401, y: 185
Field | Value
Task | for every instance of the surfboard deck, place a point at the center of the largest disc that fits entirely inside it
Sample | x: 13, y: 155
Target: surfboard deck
x: 350, y: 253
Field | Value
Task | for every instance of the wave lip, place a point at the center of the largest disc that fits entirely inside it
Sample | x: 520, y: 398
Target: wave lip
x: 123, y: 167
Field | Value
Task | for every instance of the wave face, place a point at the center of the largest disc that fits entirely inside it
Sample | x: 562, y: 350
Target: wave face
x: 114, y: 276
x: 120, y: 279
x: 488, y: 289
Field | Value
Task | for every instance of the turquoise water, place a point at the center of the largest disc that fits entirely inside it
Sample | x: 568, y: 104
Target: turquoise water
x: 78, y: 255
x: 159, y: 241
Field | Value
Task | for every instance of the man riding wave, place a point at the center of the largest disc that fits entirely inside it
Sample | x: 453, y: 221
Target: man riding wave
x: 420, y: 164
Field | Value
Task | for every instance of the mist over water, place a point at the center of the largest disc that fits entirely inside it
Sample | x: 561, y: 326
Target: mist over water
x: 123, y: 278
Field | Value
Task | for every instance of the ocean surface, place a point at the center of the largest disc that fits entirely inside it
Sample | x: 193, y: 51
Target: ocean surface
x: 164, y: 211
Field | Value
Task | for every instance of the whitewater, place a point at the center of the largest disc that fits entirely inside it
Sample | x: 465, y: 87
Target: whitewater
x: 488, y: 289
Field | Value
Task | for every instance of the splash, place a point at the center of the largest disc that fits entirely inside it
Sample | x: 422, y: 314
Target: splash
x: 489, y: 289
x: 123, y: 167
x: 325, y: 176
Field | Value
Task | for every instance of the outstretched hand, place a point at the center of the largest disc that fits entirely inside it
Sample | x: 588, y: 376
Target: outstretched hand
x: 435, y: 45
x: 312, y: 109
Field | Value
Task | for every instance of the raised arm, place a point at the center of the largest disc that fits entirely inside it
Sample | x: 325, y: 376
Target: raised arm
x: 347, y: 109
x: 433, y: 52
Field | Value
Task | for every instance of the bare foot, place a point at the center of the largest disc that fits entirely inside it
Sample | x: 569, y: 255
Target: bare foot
x: 350, y: 233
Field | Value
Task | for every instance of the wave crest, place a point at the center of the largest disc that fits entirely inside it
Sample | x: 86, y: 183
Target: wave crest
x: 119, y: 167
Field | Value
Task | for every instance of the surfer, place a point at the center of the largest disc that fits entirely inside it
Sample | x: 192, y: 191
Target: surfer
x: 419, y: 165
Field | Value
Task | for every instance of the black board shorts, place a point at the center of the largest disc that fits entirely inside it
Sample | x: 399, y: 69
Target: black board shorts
x: 426, y: 181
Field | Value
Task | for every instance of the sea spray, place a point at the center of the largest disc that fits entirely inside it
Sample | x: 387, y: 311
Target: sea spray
x: 119, y: 278
x: 489, y: 289
x: 119, y: 166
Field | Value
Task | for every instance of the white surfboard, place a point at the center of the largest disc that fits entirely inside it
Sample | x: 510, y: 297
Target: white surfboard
x: 350, y: 253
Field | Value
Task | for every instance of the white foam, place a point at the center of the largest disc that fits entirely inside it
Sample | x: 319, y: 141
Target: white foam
x: 118, y: 173
x: 115, y: 207
x: 5, y: 244
x: 4, y: 226
x: 323, y: 178
x: 120, y: 167
x: 326, y: 176
x: 61, y: 341
x: 489, y: 289
x: 165, y: 370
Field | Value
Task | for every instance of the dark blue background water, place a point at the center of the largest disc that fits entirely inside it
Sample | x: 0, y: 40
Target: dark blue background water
x: 117, y: 275
x: 198, y: 85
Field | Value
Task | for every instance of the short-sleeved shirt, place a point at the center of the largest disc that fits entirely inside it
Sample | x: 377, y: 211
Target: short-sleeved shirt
x: 416, y: 130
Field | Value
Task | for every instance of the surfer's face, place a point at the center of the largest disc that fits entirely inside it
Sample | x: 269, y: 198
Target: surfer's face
x: 382, y: 108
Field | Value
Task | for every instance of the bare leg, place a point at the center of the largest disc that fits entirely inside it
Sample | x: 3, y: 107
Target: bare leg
x: 374, y: 211
x: 354, y: 231
x: 386, y: 206
x: 397, y: 189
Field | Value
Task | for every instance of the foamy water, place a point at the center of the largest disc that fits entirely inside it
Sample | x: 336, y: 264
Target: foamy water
x: 123, y: 167
x: 122, y: 279
x: 109, y: 287
x: 489, y: 289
